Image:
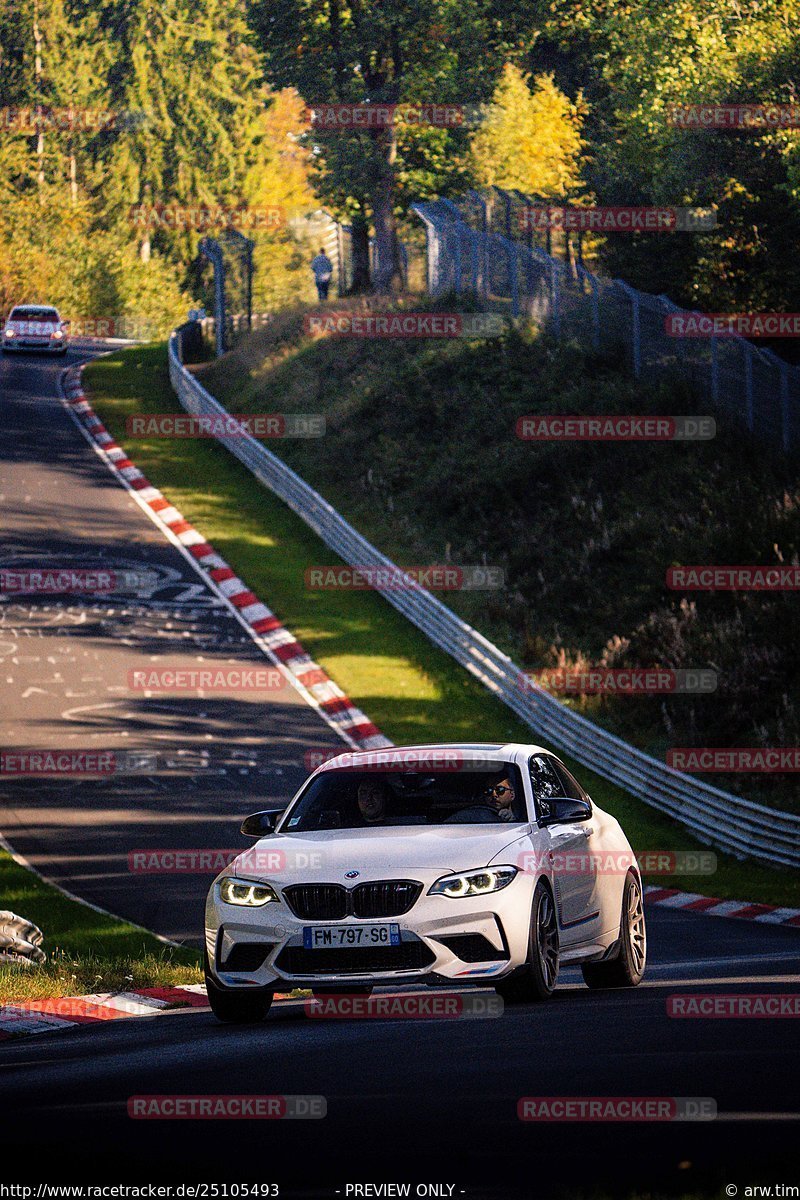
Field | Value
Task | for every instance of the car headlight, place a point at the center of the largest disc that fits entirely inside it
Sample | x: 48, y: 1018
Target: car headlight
x: 473, y: 883
x: 246, y: 895
x: 57, y: 333
x: 9, y: 333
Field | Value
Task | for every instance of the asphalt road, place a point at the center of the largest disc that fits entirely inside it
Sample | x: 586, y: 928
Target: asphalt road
x: 425, y: 1102
x: 64, y: 679
x: 436, y: 1100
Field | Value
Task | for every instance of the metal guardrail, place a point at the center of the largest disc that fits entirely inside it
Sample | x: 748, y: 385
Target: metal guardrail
x: 717, y: 818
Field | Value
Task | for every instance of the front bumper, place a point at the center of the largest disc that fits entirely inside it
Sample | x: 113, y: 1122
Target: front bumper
x: 33, y: 344
x: 464, y: 940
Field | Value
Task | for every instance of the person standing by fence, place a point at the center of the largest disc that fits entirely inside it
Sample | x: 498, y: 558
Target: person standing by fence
x: 323, y: 270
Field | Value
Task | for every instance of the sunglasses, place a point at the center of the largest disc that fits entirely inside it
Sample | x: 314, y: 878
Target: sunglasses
x: 500, y: 789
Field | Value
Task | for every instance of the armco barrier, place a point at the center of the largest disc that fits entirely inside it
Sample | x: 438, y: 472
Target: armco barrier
x: 717, y: 818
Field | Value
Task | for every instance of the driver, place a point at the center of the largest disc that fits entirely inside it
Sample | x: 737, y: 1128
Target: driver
x: 500, y: 796
x: 372, y: 801
x: 496, y: 803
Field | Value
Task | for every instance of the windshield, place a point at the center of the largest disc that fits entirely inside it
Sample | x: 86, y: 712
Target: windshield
x: 34, y: 314
x: 355, y: 799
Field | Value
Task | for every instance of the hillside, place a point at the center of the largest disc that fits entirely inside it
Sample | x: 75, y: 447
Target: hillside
x: 421, y: 455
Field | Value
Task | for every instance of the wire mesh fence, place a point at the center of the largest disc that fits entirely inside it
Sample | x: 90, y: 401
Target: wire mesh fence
x: 483, y: 246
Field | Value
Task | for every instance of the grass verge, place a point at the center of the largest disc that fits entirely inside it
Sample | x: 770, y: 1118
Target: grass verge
x: 87, y: 951
x: 413, y: 691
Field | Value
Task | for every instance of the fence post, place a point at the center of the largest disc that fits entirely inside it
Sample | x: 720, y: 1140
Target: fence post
x: 210, y: 248
x: 785, y: 424
x: 474, y: 259
x: 555, y: 297
x: 636, y: 327
x: 457, y: 261
x: 748, y: 384
x: 513, y: 261
x: 595, y: 289
x: 715, y: 370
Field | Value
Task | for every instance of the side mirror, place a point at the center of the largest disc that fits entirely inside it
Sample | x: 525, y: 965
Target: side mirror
x: 259, y: 824
x: 563, y: 810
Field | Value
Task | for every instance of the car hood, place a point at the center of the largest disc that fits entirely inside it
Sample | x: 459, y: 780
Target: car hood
x: 326, y: 855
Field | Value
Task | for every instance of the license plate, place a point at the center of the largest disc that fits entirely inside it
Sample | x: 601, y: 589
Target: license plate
x: 327, y: 937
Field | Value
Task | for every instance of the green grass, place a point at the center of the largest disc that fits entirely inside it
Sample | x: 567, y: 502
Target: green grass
x: 87, y: 951
x: 410, y: 689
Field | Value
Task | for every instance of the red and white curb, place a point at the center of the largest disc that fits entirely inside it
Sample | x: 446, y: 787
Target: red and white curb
x: 275, y: 641
x: 65, y: 1012
x: 764, y: 914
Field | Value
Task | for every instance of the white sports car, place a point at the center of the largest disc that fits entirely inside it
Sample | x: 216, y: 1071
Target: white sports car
x: 461, y: 863
x: 35, y: 327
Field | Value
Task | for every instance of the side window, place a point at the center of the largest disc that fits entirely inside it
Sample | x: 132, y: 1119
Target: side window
x: 572, y: 788
x: 545, y: 783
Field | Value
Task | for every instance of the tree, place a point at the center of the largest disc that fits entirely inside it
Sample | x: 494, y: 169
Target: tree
x: 643, y: 56
x: 385, y: 52
x: 190, y: 75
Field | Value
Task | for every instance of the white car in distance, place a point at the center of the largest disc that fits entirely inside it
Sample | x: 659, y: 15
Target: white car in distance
x: 35, y: 327
x: 453, y: 863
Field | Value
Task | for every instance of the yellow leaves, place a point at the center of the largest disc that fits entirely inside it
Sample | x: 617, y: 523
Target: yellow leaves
x: 531, y: 138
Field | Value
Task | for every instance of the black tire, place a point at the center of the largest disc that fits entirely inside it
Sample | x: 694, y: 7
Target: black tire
x: 537, y: 979
x: 362, y: 989
x: 627, y: 968
x: 238, y: 1006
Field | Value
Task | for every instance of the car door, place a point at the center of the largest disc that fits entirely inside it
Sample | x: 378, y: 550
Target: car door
x: 568, y: 847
